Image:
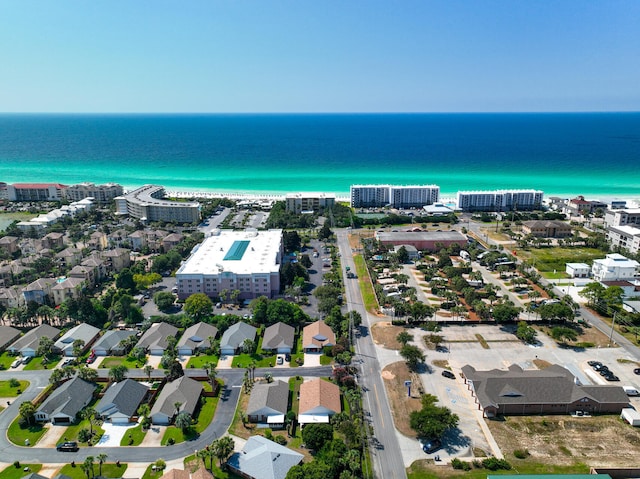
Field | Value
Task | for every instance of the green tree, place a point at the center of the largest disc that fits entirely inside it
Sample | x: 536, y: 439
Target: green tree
x: 526, y: 333
x: 84, y: 435
x: 402, y: 255
x: 412, y: 355
x: 564, y: 334
x: 87, y: 466
x: 27, y: 412
x: 183, y: 421
x: 198, y: 306
x: 325, y: 232
x: 88, y: 374
x: 118, y: 373
x: 432, y: 421
x: 404, y: 337
x: 222, y: 448
x: 504, y: 312
x: 164, y: 301
x: 124, y: 281
x: 316, y: 435
x: 594, y: 292
x: 77, y: 346
x: 45, y: 346
x: 102, y: 457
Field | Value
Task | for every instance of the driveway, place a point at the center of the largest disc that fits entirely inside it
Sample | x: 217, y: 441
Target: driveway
x: 311, y: 359
x: 113, y: 434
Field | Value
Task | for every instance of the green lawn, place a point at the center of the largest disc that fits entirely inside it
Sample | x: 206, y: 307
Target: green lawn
x: 201, y: 360
x: 17, y: 433
x: 111, y: 361
x: 550, y: 259
x: 325, y: 360
x: 205, y: 416
x: 7, y: 391
x: 36, y: 363
x: 418, y: 470
x: 368, y: 295
x: 71, y: 433
x: 243, y: 360
x: 136, y: 434
x: 109, y: 469
x: 5, y: 360
x: 13, y: 472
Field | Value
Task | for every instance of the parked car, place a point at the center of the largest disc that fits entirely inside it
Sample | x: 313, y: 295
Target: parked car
x: 16, y: 363
x: 431, y: 445
x: 594, y: 363
x: 636, y: 371
x: 68, y: 446
x: 279, y: 361
x: 26, y: 359
x: 287, y: 357
x: 448, y: 374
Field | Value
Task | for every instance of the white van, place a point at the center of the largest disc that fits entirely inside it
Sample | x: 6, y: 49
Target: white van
x: 631, y: 391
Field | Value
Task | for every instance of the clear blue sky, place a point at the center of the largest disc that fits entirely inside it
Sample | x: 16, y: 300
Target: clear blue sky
x: 319, y: 55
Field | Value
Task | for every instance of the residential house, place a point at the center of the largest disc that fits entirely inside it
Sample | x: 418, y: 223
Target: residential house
x: 69, y: 257
x: 625, y: 237
x: 68, y: 288
x: 121, y: 400
x: 28, y: 344
x: 580, y: 206
x: 62, y: 406
x: 88, y: 274
x: 110, y: 343
x: 196, y: 338
x: 53, y: 240
x: 8, y: 335
x: 138, y: 240
x: 279, y: 338
x: 185, y: 391
x: 154, y: 339
x: 11, y: 297
x: 546, y: 228
x: 629, y: 289
x: 269, y: 403
x: 316, y: 336
x: 98, y: 240
x: 9, y: 244
x: 119, y: 238
x: 234, y: 337
x: 412, y: 251
x: 171, y: 241
x: 83, y: 332
x: 117, y: 259
x: 553, y: 390
x: 578, y: 270
x: 200, y: 473
x: 39, y: 291
x: 319, y: 400
x: 615, y: 267
x: 96, y: 264
x: 261, y: 458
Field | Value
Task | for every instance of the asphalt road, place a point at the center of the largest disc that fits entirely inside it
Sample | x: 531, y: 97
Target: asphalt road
x: 219, y: 425
x: 385, y: 450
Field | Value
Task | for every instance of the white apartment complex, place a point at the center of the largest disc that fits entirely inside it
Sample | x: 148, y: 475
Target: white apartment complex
x: 248, y: 261
x: 102, y: 194
x: 148, y: 204
x: 500, y: 200
x: 626, y: 237
x: 309, y: 202
x: 615, y: 267
x: 35, y: 191
x: 628, y: 216
x: 397, y: 196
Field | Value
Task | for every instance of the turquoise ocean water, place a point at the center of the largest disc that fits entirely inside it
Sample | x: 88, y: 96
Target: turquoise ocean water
x: 594, y: 154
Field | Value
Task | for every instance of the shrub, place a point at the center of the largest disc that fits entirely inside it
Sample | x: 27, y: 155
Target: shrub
x: 495, y: 464
x: 458, y: 464
x: 521, y: 453
x: 171, y: 441
x: 16, y: 464
x: 14, y: 383
x: 280, y: 440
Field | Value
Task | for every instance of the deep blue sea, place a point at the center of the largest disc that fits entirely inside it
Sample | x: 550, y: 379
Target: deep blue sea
x: 594, y: 154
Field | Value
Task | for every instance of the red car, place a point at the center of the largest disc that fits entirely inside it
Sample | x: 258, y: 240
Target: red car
x: 91, y: 358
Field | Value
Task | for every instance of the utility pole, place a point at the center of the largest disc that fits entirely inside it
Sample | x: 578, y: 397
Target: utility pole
x: 613, y: 321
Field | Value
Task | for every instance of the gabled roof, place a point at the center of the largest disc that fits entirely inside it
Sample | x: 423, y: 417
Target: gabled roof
x: 123, y: 397
x: 156, y: 336
x: 319, y: 393
x: 69, y: 398
x: 261, y: 458
x: 197, y: 336
x: 318, y: 334
x: 278, y: 335
x: 183, y: 390
x: 112, y: 338
x: 69, y: 283
x: 273, y: 395
x: 83, y: 331
x: 8, y: 334
x: 41, y: 284
x: 32, y: 337
x: 237, y: 334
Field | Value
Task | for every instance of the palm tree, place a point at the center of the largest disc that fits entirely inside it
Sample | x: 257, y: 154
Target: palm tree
x: 87, y: 466
x: 89, y: 414
x: 177, y: 405
x: 102, y: 457
x: 222, y: 448
x: 183, y: 421
x: 148, y: 369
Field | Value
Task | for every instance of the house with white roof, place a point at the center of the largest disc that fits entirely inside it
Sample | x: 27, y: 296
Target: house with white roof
x: 615, y: 267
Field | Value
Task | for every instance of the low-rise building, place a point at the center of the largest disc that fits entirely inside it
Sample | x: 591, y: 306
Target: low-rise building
x: 615, y: 267
x: 421, y: 240
x: 309, y: 202
x: 196, y: 338
x: 279, y: 338
x: 148, y: 203
x: 82, y: 332
x: 261, y: 458
x: 111, y: 342
x: 623, y: 217
x: 268, y: 403
x: 69, y: 288
x: 319, y: 400
x: 316, y: 336
x: 546, y: 228
x: 154, y: 339
x: 39, y: 291
x: 62, y: 406
x: 121, y: 400
x: 578, y: 270
x: 235, y: 336
x: 27, y: 345
x: 183, y: 391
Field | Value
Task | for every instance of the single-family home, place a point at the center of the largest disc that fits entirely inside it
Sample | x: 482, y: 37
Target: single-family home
x: 39, y: 291
x: 261, y: 458
x: 28, y: 344
x: 110, y: 343
x: 84, y: 272
x: 319, y: 400
x: 577, y: 270
x: 11, y: 297
x: 171, y: 241
x: 154, y: 339
x: 546, y: 228
x: 121, y: 400
x: 68, y: 288
x: 96, y: 264
x: 279, y: 337
x: 269, y: 403
x: 82, y: 332
x: 69, y: 257
x: 97, y: 240
x: 62, y: 406
x: 316, y: 336
x: 185, y: 391
x: 615, y: 267
x: 138, y: 240
x: 8, y: 335
x: 53, y: 240
x: 234, y: 337
x: 9, y: 244
x: 552, y: 390
x: 196, y: 338
x: 117, y: 259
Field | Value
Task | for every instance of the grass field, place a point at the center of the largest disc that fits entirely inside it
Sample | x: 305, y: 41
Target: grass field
x: 13, y: 472
x: 426, y: 469
x: 36, y: 363
x: 201, y: 360
x: 549, y: 259
x: 136, y: 434
x: 17, y: 432
x: 205, y: 416
x: 108, y: 470
x: 243, y: 360
x: 7, y: 391
x: 368, y: 295
x: 5, y: 360
x: 111, y: 361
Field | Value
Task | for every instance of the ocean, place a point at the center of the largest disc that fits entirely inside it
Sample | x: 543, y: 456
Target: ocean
x: 593, y: 154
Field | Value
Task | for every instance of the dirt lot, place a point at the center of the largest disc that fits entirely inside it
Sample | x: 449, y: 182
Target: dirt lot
x: 394, y: 376
x: 586, y: 334
x: 384, y: 334
x: 563, y: 440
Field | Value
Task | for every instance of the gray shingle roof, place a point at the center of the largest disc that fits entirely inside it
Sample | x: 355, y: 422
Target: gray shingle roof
x: 156, y: 336
x: 69, y: 398
x: 278, y: 335
x: 197, y: 336
x: 7, y: 335
x: 123, y: 397
x: 184, y: 390
x: 237, y: 334
x: 83, y: 331
x: 112, y: 338
x: 31, y: 339
x: 264, y: 459
x: 273, y: 396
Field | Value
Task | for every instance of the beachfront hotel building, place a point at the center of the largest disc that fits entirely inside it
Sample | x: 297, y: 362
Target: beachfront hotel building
x: 625, y: 237
x: 248, y: 261
x: 35, y: 192
x: 624, y: 217
x: 148, y: 204
x: 396, y: 196
x: 500, y: 200
x: 101, y: 194
x: 309, y: 202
